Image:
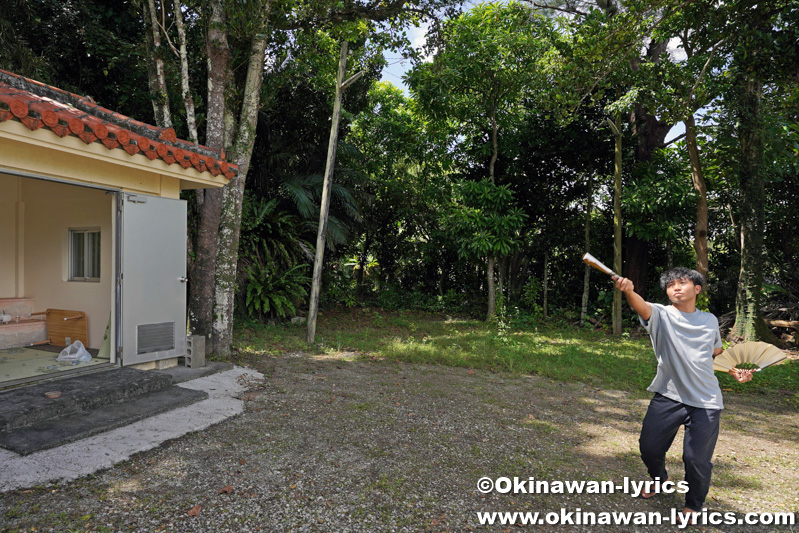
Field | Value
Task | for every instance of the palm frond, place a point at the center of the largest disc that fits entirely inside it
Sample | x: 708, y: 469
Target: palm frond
x: 337, y: 232
x: 301, y: 193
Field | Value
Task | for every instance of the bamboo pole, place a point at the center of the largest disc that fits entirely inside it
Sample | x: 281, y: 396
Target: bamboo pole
x: 316, y: 285
x: 587, y: 274
x: 616, y: 127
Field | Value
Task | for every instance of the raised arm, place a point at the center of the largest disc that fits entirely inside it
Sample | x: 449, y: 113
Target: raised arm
x: 638, y: 304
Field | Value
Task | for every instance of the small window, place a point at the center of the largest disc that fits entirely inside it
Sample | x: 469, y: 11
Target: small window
x: 84, y: 255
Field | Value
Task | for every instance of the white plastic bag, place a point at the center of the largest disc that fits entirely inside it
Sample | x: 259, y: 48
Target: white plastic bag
x: 75, y: 352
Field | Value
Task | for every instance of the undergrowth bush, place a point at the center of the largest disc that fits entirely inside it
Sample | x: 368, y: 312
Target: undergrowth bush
x: 272, y: 293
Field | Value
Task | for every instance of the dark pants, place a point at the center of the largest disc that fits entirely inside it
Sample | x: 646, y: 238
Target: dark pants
x: 661, y: 423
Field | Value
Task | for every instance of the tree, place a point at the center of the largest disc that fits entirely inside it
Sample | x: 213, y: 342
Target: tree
x: 242, y: 29
x: 613, y: 40
x: 490, y: 58
x: 405, y: 166
x: 98, y: 53
x: 486, y: 222
x: 764, y: 52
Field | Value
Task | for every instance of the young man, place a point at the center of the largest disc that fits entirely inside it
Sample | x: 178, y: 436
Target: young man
x: 687, y: 392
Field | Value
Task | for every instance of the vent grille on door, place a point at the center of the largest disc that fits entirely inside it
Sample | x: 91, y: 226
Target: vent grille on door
x: 155, y: 337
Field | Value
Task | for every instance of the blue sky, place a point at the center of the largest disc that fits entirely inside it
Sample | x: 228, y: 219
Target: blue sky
x: 397, y: 66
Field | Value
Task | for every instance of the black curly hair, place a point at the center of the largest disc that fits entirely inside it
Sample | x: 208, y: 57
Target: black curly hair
x: 676, y: 273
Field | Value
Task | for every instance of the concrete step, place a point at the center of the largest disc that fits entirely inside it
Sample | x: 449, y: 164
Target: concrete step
x: 54, y: 432
x: 28, y: 405
x: 90, y: 404
x: 23, y: 333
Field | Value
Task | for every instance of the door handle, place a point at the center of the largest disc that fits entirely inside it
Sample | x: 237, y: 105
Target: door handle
x: 183, y: 279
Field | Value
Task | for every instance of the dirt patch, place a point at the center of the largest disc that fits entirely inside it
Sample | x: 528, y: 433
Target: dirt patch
x: 334, y: 443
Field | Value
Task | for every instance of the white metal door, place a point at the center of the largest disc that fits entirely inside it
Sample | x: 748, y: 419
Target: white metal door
x: 152, y: 278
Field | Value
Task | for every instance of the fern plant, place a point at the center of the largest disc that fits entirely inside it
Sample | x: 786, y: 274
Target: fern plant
x: 272, y: 293
x: 272, y: 277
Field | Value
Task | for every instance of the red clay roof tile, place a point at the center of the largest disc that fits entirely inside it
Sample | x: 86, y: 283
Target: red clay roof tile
x: 38, y: 105
x: 49, y: 118
x: 111, y: 144
x: 100, y: 130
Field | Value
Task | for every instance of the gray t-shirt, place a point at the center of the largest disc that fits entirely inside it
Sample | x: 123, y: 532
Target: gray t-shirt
x: 684, y: 344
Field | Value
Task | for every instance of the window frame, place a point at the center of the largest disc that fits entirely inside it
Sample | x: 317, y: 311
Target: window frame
x: 88, y: 249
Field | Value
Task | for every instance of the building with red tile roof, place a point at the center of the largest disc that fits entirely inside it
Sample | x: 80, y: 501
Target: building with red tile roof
x: 92, y: 222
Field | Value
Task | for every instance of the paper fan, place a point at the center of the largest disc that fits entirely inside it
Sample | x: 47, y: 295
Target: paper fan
x: 761, y: 354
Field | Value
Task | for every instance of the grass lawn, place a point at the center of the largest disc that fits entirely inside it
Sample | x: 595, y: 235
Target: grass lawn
x: 555, y: 351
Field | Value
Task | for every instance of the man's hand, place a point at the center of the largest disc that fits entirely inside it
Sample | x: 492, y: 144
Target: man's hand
x: 624, y: 284
x: 638, y: 304
x: 741, y: 376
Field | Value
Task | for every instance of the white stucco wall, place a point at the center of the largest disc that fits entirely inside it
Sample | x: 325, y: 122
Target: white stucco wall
x: 51, y: 209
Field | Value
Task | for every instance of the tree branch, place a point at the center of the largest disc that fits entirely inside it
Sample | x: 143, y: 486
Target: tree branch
x: 377, y: 11
x: 571, y: 11
x: 704, y: 69
x: 674, y: 140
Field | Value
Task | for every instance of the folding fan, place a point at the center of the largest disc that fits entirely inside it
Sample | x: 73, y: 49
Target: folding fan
x: 761, y: 354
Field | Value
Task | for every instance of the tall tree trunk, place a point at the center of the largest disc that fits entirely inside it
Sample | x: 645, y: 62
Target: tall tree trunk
x: 617, y: 222
x: 517, y: 274
x: 233, y: 197
x: 589, y: 201
x: 650, y: 134
x: 749, y: 324
x: 494, y: 145
x: 546, y: 283
x: 697, y: 176
x: 492, y: 304
x: 209, y: 202
x: 158, y: 88
x: 185, y: 86
x: 321, y: 233
x: 492, y: 297
x: 636, y: 260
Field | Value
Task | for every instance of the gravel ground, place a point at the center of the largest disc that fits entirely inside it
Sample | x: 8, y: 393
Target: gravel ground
x: 338, y: 443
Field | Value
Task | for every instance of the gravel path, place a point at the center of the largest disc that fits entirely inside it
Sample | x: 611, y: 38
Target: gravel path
x: 334, y: 443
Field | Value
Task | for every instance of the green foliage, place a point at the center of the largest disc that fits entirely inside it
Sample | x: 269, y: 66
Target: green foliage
x: 531, y: 298
x: 340, y: 288
x: 493, y: 58
x: 273, y: 280
x: 273, y: 293
x: 703, y: 301
x: 89, y: 47
x: 403, y: 167
x: 485, y: 220
x: 268, y: 228
x: 305, y: 192
x: 659, y: 203
x: 409, y: 201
